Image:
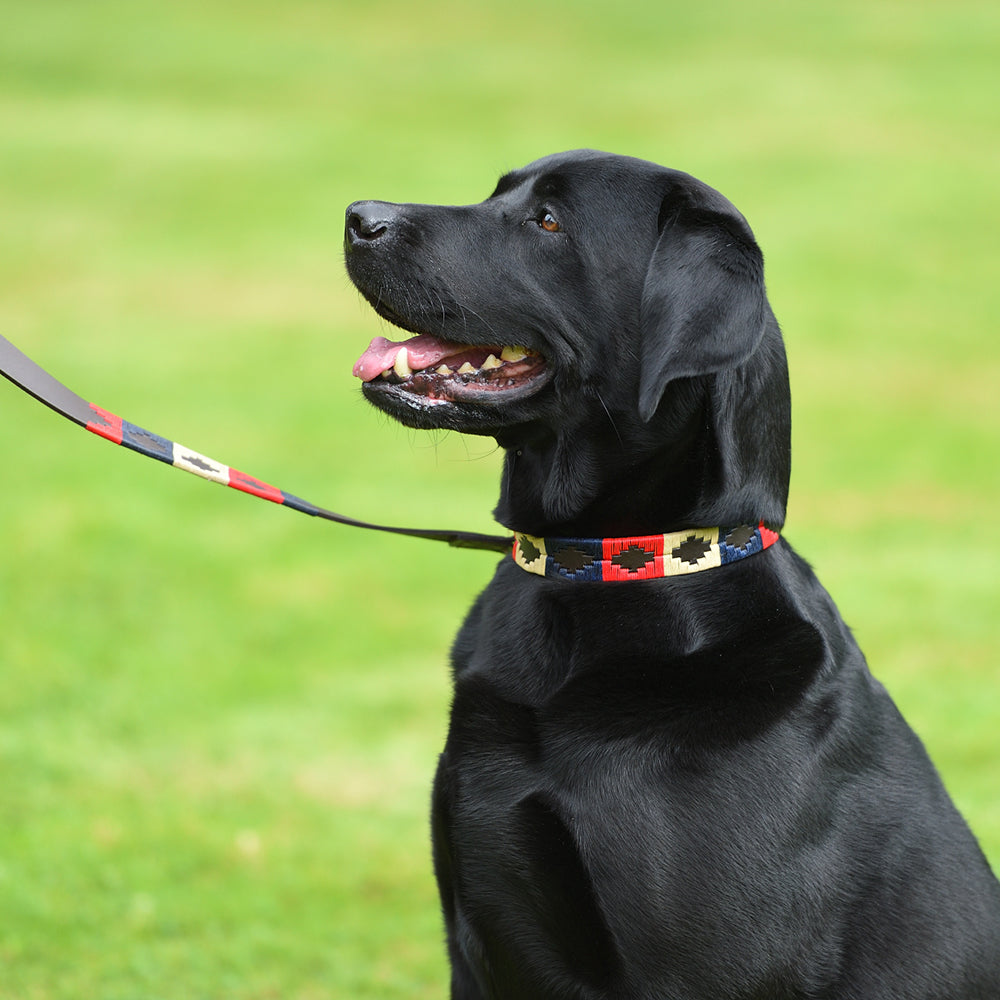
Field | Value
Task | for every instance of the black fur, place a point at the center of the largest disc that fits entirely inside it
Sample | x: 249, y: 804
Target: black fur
x: 684, y: 789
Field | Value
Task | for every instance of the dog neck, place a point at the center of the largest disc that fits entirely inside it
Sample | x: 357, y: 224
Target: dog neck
x: 639, y: 557
x: 715, y: 453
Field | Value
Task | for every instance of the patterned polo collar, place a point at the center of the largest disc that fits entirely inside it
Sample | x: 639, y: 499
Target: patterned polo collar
x: 642, y: 557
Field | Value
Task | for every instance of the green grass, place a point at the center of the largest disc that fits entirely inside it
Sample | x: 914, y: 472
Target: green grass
x: 218, y: 719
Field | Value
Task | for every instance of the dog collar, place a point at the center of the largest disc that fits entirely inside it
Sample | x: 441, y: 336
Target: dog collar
x: 641, y: 557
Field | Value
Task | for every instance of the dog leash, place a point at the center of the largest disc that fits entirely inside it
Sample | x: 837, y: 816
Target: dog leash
x: 18, y: 368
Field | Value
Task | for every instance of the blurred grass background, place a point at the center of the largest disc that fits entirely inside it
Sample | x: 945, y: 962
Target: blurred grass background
x: 219, y: 719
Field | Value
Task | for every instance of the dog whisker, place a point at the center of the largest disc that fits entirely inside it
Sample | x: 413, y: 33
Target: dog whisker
x: 611, y: 419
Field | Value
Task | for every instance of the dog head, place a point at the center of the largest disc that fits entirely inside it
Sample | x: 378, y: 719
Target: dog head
x: 605, y: 319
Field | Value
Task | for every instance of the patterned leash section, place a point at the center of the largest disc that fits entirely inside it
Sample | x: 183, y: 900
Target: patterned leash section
x: 135, y: 438
x: 18, y: 368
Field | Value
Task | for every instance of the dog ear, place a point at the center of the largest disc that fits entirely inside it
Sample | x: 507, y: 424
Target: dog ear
x: 703, y: 307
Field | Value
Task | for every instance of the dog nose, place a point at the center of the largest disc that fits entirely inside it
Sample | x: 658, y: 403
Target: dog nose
x: 368, y: 221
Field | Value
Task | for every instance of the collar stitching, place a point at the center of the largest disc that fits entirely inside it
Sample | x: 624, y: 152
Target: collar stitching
x: 639, y: 557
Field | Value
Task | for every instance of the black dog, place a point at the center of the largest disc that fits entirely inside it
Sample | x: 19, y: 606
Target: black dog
x: 670, y: 784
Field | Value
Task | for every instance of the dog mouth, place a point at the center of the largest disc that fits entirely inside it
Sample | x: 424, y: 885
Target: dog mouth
x: 444, y: 371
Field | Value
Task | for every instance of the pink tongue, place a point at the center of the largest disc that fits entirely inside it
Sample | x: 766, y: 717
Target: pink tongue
x: 422, y: 351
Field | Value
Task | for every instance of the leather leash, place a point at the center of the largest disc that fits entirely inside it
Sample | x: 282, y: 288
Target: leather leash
x: 36, y: 381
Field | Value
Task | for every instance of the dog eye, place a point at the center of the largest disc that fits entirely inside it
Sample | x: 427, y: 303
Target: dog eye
x: 549, y: 223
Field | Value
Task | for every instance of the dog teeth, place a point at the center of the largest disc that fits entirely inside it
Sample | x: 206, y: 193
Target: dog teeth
x: 401, y: 366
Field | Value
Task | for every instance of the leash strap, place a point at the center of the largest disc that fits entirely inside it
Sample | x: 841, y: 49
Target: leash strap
x: 34, y: 380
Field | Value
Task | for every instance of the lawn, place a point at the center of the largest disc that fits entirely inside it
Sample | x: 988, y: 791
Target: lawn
x: 218, y: 718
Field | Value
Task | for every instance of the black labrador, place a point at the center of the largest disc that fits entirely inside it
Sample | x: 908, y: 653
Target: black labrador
x: 659, y: 782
